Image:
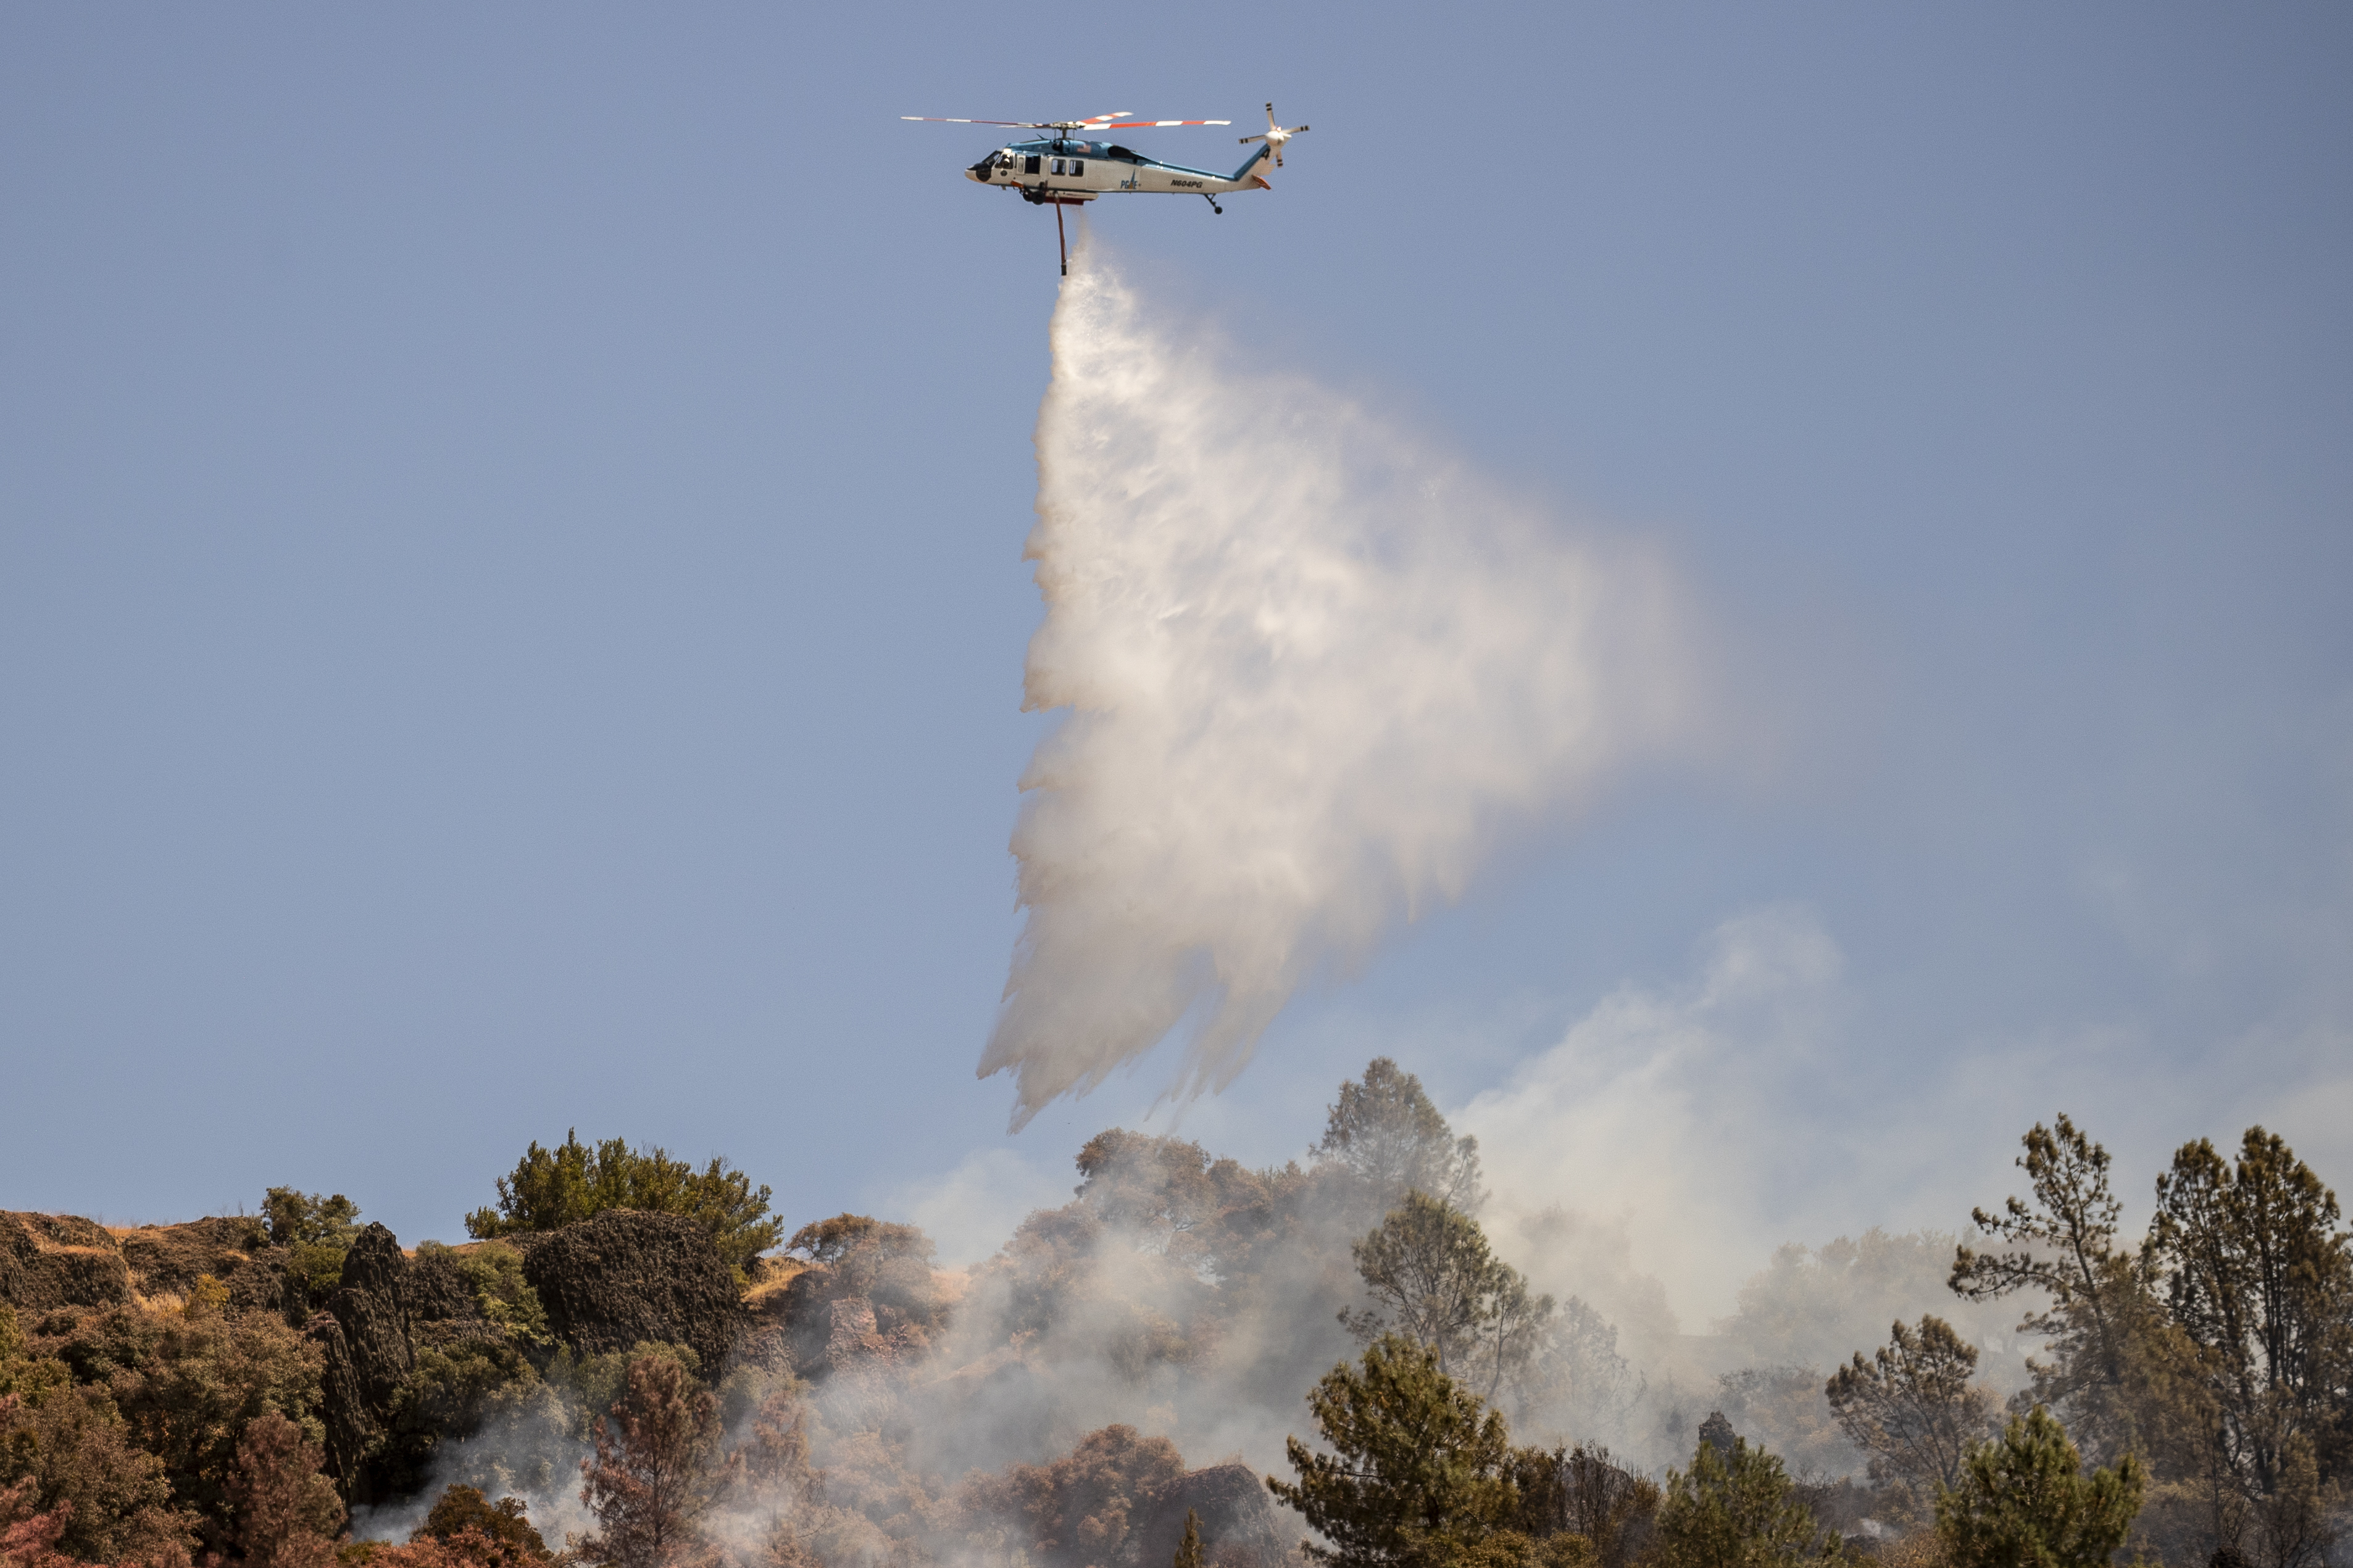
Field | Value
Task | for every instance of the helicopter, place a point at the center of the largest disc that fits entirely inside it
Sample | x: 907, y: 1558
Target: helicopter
x: 1071, y: 167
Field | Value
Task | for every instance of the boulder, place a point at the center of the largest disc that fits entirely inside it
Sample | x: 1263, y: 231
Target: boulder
x: 1240, y: 1523
x: 58, y: 1260
x: 627, y: 1276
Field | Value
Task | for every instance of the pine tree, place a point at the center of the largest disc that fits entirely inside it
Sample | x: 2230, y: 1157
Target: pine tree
x: 657, y: 1467
x: 1911, y: 1406
x: 1389, y: 1138
x: 1737, y: 1509
x: 2025, y: 1502
x: 1417, y: 1470
x: 287, y: 1513
x: 1189, y: 1551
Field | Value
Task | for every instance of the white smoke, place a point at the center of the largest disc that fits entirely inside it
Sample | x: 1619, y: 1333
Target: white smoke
x: 1676, y: 1111
x: 1314, y: 673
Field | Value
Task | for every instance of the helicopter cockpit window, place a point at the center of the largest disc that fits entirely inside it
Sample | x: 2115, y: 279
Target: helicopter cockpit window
x: 1029, y: 165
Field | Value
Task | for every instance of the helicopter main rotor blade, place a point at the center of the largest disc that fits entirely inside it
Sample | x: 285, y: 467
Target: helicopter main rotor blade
x: 1023, y: 124
x: 1147, y: 124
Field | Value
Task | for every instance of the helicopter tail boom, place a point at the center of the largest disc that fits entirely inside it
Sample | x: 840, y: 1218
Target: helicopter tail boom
x: 1244, y: 175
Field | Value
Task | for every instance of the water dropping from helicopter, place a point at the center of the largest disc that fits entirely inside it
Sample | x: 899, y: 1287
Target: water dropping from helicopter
x: 1312, y: 675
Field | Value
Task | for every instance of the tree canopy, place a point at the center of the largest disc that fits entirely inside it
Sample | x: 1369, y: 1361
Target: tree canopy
x: 1417, y: 1465
x: 550, y: 1188
x: 1437, y: 1281
x: 1385, y: 1131
x: 1737, y: 1508
x: 2024, y: 1501
x: 1911, y: 1406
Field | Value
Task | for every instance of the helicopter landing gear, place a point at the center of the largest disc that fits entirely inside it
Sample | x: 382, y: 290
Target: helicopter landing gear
x: 1213, y: 203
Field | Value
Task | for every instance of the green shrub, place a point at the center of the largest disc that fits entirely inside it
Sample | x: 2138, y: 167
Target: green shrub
x: 550, y: 1188
x: 1737, y: 1508
x: 208, y: 1298
x: 462, y: 1508
x: 74, y: 1448
x: 293, y: 1217
x: 590, y: 1384
x: 313, y: 1233
x: 187, y: 1389
x: 494, y: 1271
x: 2025, y: 1500
x: 455, y: 1393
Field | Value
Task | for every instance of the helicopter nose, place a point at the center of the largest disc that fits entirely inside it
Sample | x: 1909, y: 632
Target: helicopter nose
x: 980, y: 171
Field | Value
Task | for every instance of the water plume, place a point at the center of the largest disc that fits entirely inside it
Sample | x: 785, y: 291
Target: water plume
x: 1313, y: 672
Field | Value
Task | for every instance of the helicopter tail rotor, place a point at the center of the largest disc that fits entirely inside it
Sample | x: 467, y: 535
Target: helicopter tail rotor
x: 1275, y: 136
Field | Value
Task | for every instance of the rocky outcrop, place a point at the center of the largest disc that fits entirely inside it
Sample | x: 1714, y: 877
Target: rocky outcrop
x: 344, y: 1407
x: 61, y: 1260
x: 627, y: 1276
x: 385, y: 1307
x: 172, y: 1258
x: 58, y: 1260
x: 1240, y: 1523
x: 438, y: 1292
x: 371, y: 1307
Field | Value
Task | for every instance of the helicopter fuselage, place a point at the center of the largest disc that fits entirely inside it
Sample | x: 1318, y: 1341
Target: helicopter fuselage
x: 1068, y: 168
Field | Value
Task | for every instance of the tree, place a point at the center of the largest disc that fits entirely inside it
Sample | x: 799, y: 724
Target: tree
x: 1579, y: 1492
x: 1417, y: 1470
x: 1077, y: 1509
x: 2062, y: 1243
x: 1188, y: 1549
x: 831, y: 1241
x: 2259, y: 1278
x: 28, y: 1534
x: 2023, y: 1502
x: 294, y: 1219
x: 1429, y: 1266
x: 1911, y: 1406
x: 1387, y: 1135
x: 515, y: 1543
x: 2117, y: 1362
x: 656, y: 1468
x: 287, y: 1513
x: 83, y: 1470
x: 315, y: 1232
x: 188, y: 1389
x: 1736, y: 1509
x: 550, y: 1188
x: 854, y: 1256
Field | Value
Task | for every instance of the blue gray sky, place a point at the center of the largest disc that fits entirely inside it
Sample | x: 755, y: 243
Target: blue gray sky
x: 512, y: 606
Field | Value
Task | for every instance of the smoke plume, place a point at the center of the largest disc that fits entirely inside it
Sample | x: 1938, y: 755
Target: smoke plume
x: 1314, y: 673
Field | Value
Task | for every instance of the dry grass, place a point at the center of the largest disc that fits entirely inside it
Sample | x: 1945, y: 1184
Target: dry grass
x: 775, y: 1273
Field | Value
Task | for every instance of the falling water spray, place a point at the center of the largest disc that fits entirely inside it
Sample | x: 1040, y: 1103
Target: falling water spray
x: 1313, y: 673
